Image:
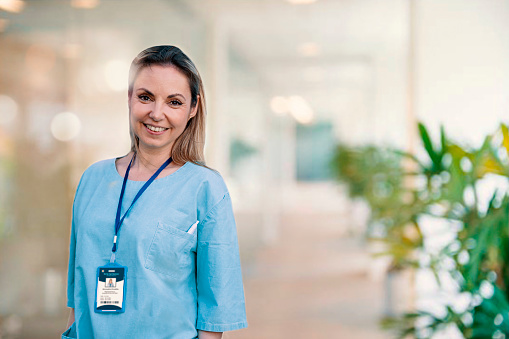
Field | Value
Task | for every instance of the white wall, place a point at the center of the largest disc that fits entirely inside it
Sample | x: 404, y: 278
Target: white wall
x: 463, y: 66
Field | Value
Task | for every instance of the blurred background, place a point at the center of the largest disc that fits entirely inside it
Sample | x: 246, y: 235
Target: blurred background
x: 313, y: 110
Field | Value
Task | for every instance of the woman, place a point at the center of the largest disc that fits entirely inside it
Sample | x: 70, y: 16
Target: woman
x: 157, y: 220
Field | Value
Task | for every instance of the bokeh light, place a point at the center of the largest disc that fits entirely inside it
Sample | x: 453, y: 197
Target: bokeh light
x: 14, y: 6
x: 115, y: 74
x: 279, y: 105
x: 65, y: 126
x: 8, y: 109
x: 85, y: 4
x: 300, y: 109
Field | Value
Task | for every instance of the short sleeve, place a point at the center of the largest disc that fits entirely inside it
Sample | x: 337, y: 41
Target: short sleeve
x: 70, y: 270
x: 72, y: 254
x: 221, y: 305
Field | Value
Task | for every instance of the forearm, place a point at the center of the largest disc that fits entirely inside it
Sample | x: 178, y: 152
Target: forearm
x: 71, y: 318
x: 209, y: 335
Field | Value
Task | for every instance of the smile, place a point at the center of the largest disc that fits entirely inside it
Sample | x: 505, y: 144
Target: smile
x: 155, y: 129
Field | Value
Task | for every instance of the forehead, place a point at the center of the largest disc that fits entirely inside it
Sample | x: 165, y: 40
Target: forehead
x: 166, y: 79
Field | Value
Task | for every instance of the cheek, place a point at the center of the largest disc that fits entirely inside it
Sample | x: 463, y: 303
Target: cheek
x: 136, y: 110
x: 184, y: 119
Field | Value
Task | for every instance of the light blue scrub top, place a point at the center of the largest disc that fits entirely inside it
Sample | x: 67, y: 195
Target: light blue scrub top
x: 177, y: 283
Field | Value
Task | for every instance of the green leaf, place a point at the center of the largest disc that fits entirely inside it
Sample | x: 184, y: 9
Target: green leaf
x: 443, y: 140
x: 428, y: 146
x: 505, y: 137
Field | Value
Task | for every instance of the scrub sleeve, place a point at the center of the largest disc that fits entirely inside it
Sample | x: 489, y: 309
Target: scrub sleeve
x: 72, y: 256
x: 70, y: 333
x: 220, y: 291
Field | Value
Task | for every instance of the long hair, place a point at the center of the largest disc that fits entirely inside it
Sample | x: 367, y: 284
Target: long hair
x: 189, y: 145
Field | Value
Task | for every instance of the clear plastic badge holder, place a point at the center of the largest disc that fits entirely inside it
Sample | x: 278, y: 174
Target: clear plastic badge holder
x: 110, y: 288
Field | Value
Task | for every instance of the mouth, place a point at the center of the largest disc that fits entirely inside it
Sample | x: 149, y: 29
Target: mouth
x: 155, y: 129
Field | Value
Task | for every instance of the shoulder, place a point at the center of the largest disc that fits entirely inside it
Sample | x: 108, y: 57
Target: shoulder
x: 101, y: 165
x: 92, y: 178
x: 96, y: 172
x: 211, y: 185
x: 98, y: 169
x: 212, y: 178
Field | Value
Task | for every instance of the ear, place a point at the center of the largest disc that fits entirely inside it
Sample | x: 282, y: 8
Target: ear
x: 194, y: 110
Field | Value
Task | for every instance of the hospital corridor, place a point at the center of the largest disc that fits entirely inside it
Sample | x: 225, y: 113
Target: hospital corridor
x: 363, y: 144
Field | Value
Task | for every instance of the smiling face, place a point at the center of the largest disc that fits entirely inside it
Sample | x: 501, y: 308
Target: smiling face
x: 160, y: 107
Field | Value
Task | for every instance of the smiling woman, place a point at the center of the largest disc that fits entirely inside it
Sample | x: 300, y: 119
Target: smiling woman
x: 158, y: 111
x: 178, y: 271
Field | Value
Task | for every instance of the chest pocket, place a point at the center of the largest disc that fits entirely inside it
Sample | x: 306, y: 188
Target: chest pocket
x: 171, y: 250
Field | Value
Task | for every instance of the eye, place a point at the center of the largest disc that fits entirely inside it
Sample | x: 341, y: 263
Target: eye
x: 144, y: 97
x: 175, y: 103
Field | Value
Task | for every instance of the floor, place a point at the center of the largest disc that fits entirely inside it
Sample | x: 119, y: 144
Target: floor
x: 316, y: 282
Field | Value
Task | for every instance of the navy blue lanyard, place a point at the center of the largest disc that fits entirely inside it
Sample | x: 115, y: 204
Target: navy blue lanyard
x: 118, y: 220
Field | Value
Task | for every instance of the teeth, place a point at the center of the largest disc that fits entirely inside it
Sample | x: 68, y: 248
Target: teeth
x: 155, y: 129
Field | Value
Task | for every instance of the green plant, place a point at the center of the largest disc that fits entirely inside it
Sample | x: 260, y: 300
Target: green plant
x: 443, y: 183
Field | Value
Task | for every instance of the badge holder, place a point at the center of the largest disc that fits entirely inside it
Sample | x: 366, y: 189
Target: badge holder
x: 110, y: 288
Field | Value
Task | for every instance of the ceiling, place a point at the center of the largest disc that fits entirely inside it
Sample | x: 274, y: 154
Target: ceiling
x: 320, y: 48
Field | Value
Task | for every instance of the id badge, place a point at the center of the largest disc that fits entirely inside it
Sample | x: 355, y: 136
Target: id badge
x: 110, y: 288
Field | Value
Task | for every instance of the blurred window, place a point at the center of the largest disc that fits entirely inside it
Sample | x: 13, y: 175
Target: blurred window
x: 315, y: 147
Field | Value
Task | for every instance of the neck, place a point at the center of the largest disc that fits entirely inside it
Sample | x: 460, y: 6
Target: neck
x: 150, y: 159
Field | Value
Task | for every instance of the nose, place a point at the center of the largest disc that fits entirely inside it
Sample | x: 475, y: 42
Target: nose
x: 157, y: 112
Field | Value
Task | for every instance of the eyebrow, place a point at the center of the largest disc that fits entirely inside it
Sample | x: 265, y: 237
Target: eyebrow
x: 168, y: 97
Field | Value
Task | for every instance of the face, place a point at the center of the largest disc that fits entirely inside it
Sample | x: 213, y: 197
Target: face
x: 160, y: 107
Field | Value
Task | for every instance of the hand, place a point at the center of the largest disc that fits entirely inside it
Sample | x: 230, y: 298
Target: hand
x: 209, y: 335
x: 71, y: 318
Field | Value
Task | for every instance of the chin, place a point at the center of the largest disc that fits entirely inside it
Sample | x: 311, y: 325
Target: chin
x: 154, y: 146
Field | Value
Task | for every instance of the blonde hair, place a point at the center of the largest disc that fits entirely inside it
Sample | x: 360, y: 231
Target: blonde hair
x: 189, y: 145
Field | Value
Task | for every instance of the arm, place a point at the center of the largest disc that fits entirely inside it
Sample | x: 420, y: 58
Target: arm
x: 219, y: 287
x: 70, y: 277
x: 70, y: 270
x: 209, y: 335
x: 71, y: 319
